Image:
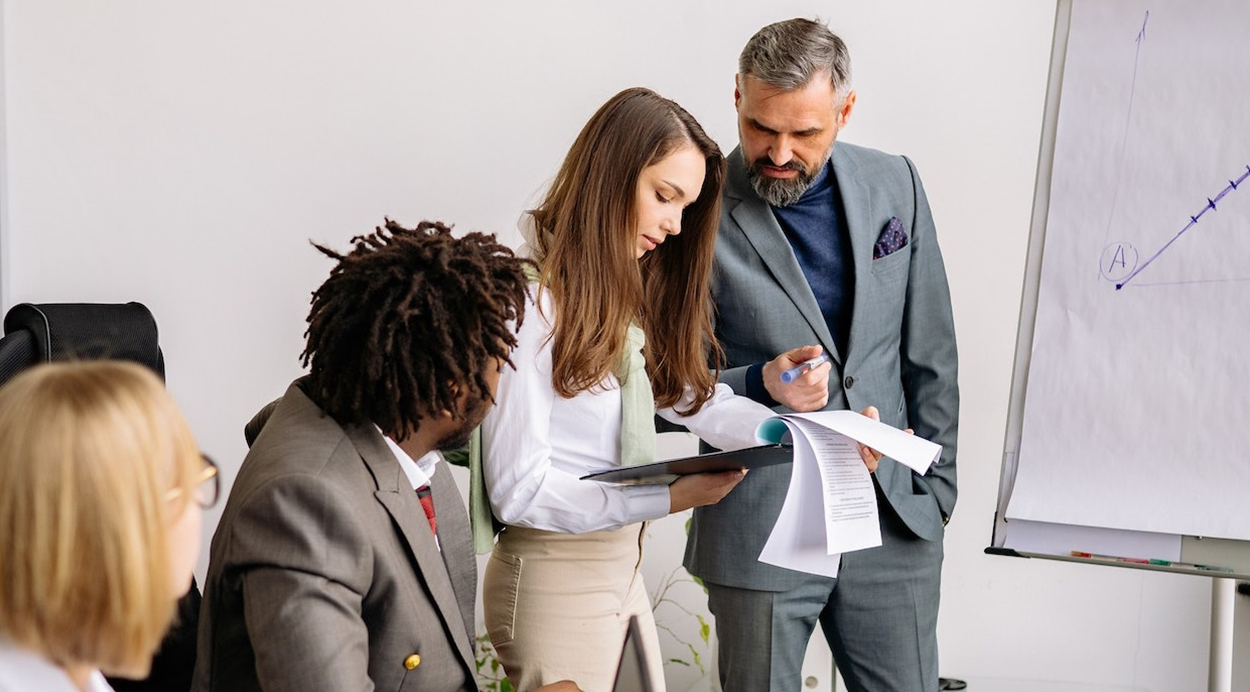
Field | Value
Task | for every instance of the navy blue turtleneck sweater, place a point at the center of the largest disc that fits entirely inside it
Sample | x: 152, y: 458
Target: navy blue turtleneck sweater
x: 815, y: 225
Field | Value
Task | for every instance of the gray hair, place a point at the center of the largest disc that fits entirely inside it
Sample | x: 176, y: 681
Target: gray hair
x: 786, y: 55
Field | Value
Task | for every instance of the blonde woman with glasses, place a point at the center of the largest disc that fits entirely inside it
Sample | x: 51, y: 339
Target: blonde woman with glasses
x: 102, y: 488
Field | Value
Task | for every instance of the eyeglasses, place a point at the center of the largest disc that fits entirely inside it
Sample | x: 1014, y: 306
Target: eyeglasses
x: 207, y: 485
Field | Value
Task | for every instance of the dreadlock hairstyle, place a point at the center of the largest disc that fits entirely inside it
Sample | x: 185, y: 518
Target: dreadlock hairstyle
x: 408, y: 322
x: 585, y: 240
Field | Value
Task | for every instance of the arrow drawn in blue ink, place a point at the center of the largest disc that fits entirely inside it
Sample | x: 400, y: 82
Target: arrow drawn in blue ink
x: 1193, y: 221
x: 1128, y: 117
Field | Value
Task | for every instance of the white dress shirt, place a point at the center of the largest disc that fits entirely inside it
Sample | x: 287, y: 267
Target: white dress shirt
x: 419, y: 471
x: 536, y: 445
x: 26, y: 671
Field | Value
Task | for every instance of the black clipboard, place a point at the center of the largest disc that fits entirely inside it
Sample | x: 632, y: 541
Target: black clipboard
x: 667, y: 471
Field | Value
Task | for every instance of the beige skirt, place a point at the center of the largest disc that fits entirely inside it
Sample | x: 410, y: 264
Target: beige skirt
x: 557, y: 606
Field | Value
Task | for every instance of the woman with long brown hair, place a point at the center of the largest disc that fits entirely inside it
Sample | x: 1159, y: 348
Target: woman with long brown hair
x: 623, y: 331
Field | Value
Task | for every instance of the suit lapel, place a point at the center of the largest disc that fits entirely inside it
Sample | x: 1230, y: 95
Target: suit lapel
x: 857, y: 205
x: 749, y: 211
x: 456, y: 538
x: 397, y: 497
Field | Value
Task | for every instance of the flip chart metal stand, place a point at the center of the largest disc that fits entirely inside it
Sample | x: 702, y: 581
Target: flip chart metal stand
x: 1230, y: 636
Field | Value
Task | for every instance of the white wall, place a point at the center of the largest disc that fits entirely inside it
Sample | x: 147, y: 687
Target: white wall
x: 182, y: 154
x: 4, y: 178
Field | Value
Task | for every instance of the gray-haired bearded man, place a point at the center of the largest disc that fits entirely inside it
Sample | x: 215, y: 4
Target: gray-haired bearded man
x: 831, y: 249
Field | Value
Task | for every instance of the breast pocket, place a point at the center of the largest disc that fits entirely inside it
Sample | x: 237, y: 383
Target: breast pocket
x: 886, y: 292
x: 893, y: 262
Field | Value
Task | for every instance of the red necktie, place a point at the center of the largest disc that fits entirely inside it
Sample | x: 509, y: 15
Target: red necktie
x: 427, y: 503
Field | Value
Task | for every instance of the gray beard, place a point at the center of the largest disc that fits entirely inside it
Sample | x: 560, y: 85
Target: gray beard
x: 781, y: 192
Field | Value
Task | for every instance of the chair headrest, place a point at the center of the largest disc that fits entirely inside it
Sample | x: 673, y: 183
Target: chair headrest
x: 78, y: 331
x: 253, y: 427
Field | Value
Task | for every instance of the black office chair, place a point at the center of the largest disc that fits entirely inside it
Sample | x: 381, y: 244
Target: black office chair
x: 78, y: 331
x: 89, y: 331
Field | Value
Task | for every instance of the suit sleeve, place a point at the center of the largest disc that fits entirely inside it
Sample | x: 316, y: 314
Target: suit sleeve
x: 929, y: 359
x: 736, y: 379
x: 304, y: 565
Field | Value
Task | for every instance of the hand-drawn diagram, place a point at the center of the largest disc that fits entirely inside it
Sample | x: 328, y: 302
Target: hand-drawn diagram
x: 1136, y: 389
x: 1119, y: 260
x: 1117, y: 255
x: 1116, y: 264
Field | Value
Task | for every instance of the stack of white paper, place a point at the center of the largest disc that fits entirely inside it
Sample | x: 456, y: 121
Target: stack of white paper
x: 831, y: 507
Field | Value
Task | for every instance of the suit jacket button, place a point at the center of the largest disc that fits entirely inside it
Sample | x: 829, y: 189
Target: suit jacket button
x: 848, y: 382
x: 412, y: 661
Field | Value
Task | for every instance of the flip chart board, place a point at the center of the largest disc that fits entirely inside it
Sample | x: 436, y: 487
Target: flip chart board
x: 1127, y: 440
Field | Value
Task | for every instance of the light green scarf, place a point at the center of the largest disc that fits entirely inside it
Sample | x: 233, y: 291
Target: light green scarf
x: 637, y: 436
x: 637, y: 402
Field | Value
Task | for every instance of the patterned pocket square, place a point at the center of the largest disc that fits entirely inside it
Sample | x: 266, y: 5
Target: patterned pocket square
x: 892, y: 238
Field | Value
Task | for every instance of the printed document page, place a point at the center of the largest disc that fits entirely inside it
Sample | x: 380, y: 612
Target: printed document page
x: 831, y: 507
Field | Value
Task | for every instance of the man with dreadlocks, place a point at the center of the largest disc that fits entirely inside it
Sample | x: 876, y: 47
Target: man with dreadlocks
x: 343, y: 559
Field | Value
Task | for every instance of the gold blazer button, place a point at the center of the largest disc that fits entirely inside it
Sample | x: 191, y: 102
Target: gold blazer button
x: 412, y: 661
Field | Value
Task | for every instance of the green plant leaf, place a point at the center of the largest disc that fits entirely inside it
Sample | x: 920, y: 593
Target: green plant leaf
x: 697, y: 660
x: 698, y: 581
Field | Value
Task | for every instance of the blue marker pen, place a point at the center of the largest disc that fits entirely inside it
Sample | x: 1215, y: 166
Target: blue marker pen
x: 793, y: 374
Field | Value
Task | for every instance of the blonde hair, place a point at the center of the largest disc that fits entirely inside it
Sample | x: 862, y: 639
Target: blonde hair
x: 88, y: 455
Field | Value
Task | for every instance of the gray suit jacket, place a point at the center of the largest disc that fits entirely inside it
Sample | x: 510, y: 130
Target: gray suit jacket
x: 324, y: 574
x: 900, y: 352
